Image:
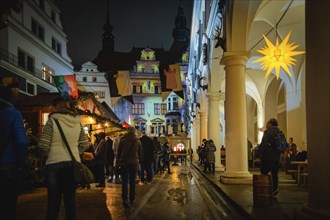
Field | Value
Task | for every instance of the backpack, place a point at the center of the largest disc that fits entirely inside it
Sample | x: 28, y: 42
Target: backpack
x: 280, y: 142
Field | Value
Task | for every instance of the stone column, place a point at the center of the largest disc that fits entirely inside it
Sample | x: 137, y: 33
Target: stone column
x: 196, y: 136
x: 235, y: 118
x: 214, y: 126
x: 203, y: 124
x: 318, y: 112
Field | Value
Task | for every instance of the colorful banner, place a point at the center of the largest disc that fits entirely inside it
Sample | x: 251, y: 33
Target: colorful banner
x: 67, y: 86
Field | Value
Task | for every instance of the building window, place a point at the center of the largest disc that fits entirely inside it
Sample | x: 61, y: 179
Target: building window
x: 138, y: 109
x: 157, y: 108
x: 134, y: 89
x: 56, y: 45
x: 42, y: 4
x: 175, y: 103
x: 94, y: 79
x: 99, y: 94
x: 156, y: 89
x: 53, y: 16
x: 37, y: 29
x: 85, y: 79
x: 47, y: 73
x: 30, y: 88
x: 163, y: 109
x: 25, y: 61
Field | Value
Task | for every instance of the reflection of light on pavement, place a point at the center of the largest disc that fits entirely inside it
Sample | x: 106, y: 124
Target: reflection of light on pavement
x: 178, y: 195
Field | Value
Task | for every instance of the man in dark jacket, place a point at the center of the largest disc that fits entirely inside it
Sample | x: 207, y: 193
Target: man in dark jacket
x: 268, y: 154
x: 100, y: 159
x: 147, y: 158
x: 129, y: 154
x: 13, y: 147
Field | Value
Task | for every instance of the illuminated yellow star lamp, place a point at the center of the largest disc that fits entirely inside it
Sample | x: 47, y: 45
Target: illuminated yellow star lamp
x: 277, y: 56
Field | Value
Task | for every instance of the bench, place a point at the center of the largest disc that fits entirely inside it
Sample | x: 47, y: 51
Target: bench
x: 293, y: 173
x: 304, y: 177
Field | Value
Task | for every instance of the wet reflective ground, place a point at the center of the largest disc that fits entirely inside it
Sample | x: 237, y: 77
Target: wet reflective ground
x: 170, y: 196
x: 185, y: 194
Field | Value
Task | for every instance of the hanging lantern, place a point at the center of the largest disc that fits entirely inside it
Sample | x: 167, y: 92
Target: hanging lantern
x: 125, y: 125
x: 278, y: 56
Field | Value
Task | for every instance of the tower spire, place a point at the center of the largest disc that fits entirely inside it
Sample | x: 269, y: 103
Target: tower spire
x: 108, y: 42
x: 180, y: 32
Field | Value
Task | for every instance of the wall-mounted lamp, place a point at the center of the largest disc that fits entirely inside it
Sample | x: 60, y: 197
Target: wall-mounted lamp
x: 200, y: 83
x: 193, y: 114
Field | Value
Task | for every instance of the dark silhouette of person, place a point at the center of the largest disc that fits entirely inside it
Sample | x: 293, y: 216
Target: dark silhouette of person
x: 269, y: 156
x: 13, y: 147
x: 147, y: 158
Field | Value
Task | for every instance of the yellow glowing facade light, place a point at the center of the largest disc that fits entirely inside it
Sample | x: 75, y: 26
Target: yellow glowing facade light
x: 278, y: 56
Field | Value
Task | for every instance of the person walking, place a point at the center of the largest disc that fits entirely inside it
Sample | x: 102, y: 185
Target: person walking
x: 167, y: 157
x: 147, y: 158
x: 59, y: 170
x: 268, y: 153
x: 210, y: 148
x: 110, y: 159
x: 13, y: 147
x: 129, y: 154
x: 100, y: 159
x: 157, y: 155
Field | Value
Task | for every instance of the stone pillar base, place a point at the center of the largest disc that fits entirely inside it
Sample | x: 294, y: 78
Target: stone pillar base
x: 308, y: 213
x: 220, y: 168
x: 236, y: 178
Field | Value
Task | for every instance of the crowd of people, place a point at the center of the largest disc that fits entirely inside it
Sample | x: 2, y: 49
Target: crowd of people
x: 140, y: 156
x: 206, y: 155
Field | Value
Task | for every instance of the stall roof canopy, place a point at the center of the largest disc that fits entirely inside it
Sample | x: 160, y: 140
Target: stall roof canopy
x: 44, y: 100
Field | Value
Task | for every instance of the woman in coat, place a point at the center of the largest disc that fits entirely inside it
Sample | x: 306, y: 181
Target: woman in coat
x: 210, y: 148
x: 59, y: 170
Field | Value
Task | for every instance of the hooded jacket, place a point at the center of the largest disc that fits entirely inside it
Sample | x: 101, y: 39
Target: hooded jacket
x: 13, y: 140
x: 52, y: 144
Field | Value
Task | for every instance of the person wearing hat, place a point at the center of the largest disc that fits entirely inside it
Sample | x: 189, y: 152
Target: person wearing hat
x: 13, y: 147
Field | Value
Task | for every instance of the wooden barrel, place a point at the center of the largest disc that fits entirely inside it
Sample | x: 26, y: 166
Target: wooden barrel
x: 262, y: 190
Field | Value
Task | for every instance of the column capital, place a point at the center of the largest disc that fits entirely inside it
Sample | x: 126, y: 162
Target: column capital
x: 214, y: 96
x: 202, y: 113
x: 235, y: 58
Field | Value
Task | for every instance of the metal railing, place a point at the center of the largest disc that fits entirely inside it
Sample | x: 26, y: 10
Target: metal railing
x: 12, y: 59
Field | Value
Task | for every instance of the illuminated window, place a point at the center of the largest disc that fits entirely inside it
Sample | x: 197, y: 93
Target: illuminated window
x: 99, y: 94
x: 47, y: 73
x: 138, y: 109
x: 163, y: 109
x: 157, y: 108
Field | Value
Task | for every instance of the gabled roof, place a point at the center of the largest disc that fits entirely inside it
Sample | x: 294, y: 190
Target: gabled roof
x: 157, y: 120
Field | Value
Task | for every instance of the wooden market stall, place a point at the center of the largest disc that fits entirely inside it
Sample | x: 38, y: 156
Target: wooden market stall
x: 95, y: 116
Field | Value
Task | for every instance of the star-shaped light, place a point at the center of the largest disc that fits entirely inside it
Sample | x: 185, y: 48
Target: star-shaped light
x: 277, y: 56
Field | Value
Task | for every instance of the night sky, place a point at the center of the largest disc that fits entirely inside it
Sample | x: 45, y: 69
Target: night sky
x: 138, y: 23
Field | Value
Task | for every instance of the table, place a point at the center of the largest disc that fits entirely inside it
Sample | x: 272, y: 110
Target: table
x: 301, y: 168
